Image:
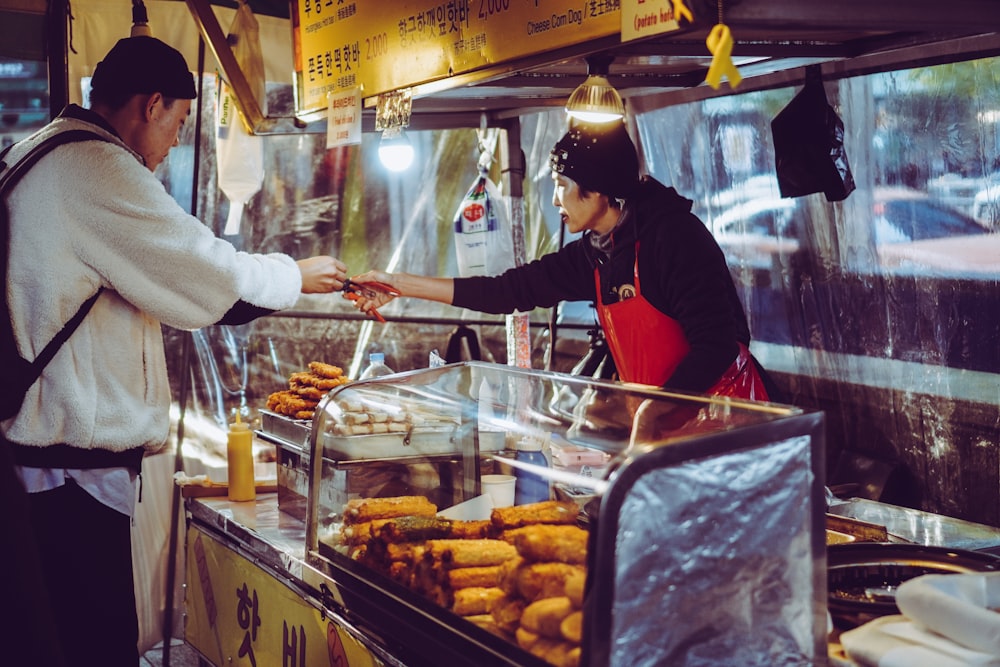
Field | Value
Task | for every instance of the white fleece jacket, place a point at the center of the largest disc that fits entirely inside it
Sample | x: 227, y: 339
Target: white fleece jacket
x: 90, y: 214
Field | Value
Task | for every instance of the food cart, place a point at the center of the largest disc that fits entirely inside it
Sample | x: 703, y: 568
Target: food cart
x: 705, y: 519
x: 899, y: 391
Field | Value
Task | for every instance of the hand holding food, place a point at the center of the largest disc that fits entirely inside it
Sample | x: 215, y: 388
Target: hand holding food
x: 370, y: 291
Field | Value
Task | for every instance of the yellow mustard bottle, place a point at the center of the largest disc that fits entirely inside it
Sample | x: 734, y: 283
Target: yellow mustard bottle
x: 239, y: 450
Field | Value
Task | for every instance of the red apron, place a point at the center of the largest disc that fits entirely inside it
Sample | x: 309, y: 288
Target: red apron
x: 647, y: 345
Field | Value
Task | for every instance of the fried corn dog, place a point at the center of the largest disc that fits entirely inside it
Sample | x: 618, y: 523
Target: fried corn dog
x: 469, y: 553
x: 475, y: 600
x: 534, y: 581
x: 470, y: 530
x: 413, y: 528
x: 359, y: 510
x: 549, y: 511
x: 471, y: 577
x: 562, y: 543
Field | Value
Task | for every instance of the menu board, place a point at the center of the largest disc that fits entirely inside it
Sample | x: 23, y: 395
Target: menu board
x: 383, y: 46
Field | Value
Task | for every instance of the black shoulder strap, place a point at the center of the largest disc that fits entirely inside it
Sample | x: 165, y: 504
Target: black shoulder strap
x: 9, y: 178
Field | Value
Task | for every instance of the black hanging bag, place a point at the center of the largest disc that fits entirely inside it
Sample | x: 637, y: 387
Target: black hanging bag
x: 20, y: 374
x: 808, y: 136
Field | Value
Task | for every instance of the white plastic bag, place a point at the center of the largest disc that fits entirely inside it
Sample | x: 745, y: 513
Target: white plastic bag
x: 484, y: 239
x: 239, y: 154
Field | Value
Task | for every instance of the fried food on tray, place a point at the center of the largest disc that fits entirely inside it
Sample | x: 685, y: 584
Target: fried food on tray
x: 359, y: 510
x: 487, y: 576
x: 469, y: 553
x: 290, y: 404
x: 549, y: 511
x: 315, y: 380
x: 474, y: 601
x: 574, y: 585
x: 506, y: 612
x: 534, y: 581
x: 563, y: 543
x: 544, y: 617
x: 326, y: 370
x: 412, y: 528
x: 571, y: 627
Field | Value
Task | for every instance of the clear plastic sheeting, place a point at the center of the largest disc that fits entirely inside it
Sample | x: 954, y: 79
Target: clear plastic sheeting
x: 736, y: 562
x: 881, y: 309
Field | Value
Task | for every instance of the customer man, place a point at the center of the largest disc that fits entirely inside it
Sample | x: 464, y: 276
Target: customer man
x: 665, y: 297
x: 91, y: 215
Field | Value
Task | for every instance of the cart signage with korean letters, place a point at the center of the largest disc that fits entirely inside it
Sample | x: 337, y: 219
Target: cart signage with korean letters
x: 386, y: 46
x: 239, y: 614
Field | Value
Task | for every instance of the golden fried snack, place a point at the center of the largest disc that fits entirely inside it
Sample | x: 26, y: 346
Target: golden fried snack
x: 549, y: 511
x: 562, y: 543
x: 326, y: 370
x: 486, y: 622
x: 305, y: 415
x: 310, y: 379
x: 406, y: 552
x: 525, y: 638
x: 534, y: 581
x: 288, y: 403
x: 562, y: 654
x: 506, y: 611
x: 474, y: 601
x: 469, y: 553
x: 575, y: 585
x: 471, y: 577
x: 310, y: 393
x: 543, y: 617
x: 359, y: 510
x: 470, y: 530
x: 543, y: 646
x: 571, y: 627
x: 412, y: 528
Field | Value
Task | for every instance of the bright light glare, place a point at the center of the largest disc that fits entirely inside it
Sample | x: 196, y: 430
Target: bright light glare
x: 395, y: 152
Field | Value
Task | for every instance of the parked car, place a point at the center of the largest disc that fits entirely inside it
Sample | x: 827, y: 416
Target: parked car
x: 911, y: 232
x: 986, y: 203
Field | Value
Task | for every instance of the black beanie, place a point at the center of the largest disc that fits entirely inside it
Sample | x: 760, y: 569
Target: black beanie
x: 599, y: 157
x: 144, y: 65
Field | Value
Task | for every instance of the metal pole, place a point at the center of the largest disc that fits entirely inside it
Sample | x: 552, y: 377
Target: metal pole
x: 175, y: 504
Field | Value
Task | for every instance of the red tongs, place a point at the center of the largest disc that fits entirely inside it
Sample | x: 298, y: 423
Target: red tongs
x: 355, y: 291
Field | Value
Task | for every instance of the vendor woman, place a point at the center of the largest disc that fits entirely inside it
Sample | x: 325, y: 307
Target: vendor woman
x: 664, y: 295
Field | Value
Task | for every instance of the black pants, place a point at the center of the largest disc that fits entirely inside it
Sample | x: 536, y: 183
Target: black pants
x: 27, y: 635
x: 85, y: 550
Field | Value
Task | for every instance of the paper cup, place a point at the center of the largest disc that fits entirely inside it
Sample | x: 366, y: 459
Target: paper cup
x: 500, y: 489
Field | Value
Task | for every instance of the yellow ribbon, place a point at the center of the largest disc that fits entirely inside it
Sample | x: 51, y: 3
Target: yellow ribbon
x: 720, y: 45
x: 680, y: 9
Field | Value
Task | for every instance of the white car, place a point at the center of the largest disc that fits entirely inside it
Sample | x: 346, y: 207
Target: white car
x: 912, y: 232
x: 986, y: 204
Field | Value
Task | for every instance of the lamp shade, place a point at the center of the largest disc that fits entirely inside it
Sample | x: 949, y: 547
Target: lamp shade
x: 595, y: 101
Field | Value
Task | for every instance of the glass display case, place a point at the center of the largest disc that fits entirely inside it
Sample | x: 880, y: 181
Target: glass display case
x: 668, y: 528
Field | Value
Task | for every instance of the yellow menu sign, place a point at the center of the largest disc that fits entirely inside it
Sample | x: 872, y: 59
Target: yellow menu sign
x: 383, y: 46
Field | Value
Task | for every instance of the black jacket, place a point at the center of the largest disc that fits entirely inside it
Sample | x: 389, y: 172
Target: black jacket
x: 682, y: 273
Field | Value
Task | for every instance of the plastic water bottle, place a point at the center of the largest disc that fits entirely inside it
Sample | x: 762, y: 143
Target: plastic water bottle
x: 530, y: 487
x: 376, y: 367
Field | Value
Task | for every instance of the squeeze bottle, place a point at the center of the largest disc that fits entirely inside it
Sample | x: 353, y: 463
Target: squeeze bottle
x: 239, y: 452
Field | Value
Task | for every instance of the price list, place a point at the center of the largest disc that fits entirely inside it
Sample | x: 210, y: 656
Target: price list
x: 379, y: 46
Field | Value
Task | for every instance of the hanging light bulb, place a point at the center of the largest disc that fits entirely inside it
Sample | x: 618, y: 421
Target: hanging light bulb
x: 395, y: 150
x: 596, y: 100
